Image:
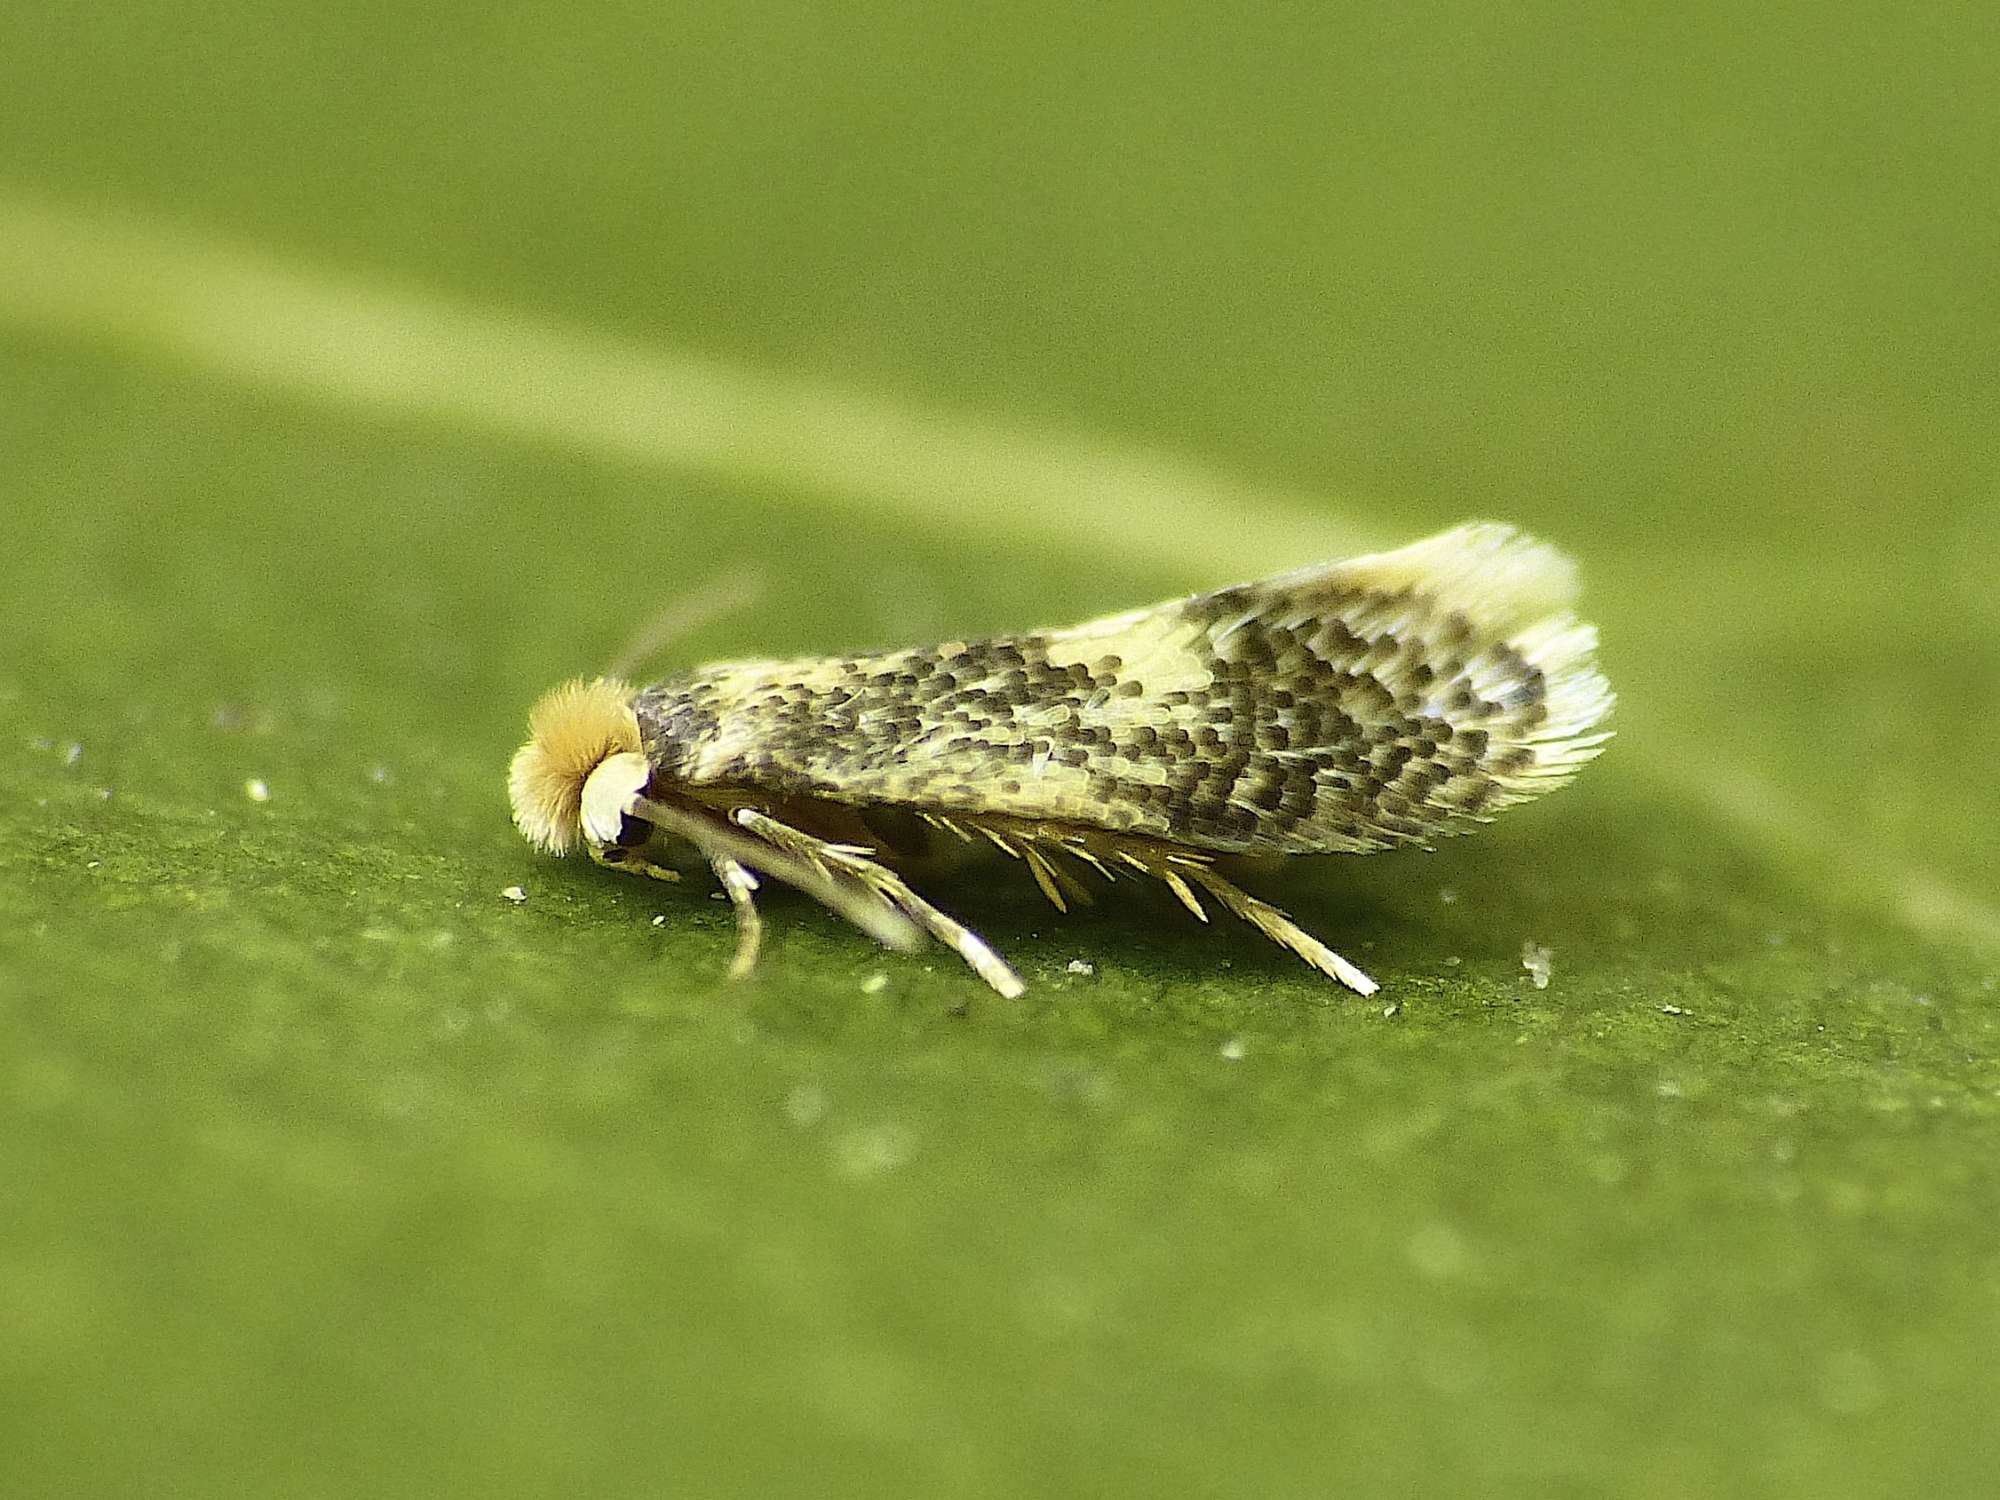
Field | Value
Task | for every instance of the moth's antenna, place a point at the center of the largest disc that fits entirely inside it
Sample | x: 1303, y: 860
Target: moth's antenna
x: 683, y: 615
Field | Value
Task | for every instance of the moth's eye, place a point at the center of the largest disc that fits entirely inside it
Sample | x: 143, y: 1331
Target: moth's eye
x: 632, y: 832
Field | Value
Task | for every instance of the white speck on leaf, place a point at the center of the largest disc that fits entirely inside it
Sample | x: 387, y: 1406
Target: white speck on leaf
x: 1538, y: 961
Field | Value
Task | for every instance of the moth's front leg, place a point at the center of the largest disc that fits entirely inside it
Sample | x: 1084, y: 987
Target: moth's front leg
x: 741, y: 885
x: 631, y: 861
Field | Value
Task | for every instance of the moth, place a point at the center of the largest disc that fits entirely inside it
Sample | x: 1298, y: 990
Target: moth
x: 1354, y: 706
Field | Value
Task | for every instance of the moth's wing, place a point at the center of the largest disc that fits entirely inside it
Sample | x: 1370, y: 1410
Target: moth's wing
x: 1395, y: 698
x: 1383, y: 700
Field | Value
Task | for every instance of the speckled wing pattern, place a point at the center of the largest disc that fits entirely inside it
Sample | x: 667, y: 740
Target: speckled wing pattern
x: 1359, y: 705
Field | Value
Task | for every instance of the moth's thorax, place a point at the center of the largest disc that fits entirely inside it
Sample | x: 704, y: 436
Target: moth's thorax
x: 759, y: 722
x: 678, y: 721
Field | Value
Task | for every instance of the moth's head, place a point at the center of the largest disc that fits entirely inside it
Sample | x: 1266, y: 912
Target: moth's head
x: 582, y: 766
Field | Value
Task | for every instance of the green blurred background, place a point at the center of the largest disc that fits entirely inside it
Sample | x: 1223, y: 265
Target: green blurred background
x: 363, y: 370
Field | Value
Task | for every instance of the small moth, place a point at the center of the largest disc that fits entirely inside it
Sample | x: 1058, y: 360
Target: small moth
x: 1382, y: 701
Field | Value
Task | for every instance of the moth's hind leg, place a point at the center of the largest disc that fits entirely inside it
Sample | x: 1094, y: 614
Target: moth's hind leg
x: 1056, y: 882
x: 1267, y: 919
x: 851, y: 861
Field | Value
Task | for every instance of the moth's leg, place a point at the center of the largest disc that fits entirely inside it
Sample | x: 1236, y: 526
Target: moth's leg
x: 835, y: 890
x: 1279, y: 928
x: 1080, y: 850
x: 1056, y: 881
x: 968, y: 944
x: 1167, y: 875
x: 852, y: 861
x: 741, y: 885
x: 630, y: 861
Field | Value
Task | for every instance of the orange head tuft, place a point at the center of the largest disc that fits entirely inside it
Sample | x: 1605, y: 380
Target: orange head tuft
x: 571, y: 731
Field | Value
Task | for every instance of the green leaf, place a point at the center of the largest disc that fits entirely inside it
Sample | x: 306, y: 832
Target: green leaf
x: 429, y: 355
